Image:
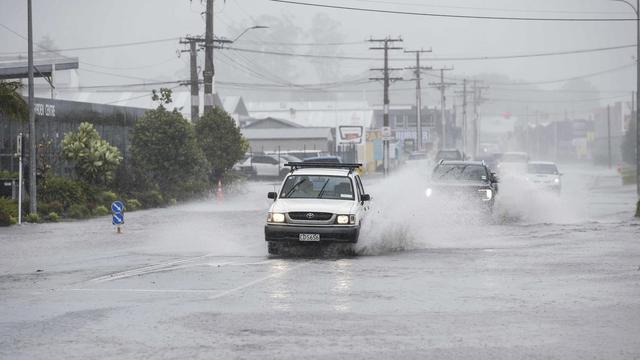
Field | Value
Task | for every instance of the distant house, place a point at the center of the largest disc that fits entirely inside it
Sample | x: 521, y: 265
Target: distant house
x: 271, y: 123
x: 271, y: 134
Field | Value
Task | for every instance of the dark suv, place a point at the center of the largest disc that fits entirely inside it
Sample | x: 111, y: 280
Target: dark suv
x: 465, y: 180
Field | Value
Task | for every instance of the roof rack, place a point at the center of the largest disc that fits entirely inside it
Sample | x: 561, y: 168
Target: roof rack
x: 324, y: 165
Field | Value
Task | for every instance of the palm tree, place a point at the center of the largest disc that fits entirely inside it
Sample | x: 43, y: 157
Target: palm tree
x: 11, y: 102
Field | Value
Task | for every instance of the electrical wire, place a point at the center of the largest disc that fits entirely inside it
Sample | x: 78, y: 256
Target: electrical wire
x: 136, y: 97
x: 443, y: 15
x: 465, y: 58
x: 82, y: 48
x: 395, y: 3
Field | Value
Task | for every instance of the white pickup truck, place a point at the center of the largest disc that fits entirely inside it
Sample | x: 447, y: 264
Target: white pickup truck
x: 318, y: 203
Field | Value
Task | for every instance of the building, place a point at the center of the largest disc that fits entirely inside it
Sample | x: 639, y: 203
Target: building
x: 273, y: 135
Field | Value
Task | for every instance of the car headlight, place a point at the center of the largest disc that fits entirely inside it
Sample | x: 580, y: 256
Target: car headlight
x: 275, y: 217
x: 346, y: 219
x: 556, y: 180
x: 428, y: 192
x: 488, y: 193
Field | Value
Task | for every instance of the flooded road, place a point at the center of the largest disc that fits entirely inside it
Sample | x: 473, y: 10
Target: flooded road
x: 543, y: 277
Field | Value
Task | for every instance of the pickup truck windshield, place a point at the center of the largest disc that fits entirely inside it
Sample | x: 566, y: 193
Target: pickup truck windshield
x: 317, y: 187
x: 460, y: 172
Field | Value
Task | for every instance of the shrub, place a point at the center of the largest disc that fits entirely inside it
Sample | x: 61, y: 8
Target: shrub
x: 95, y: 159
x: 53, y: 216
x: 50, y: 207
x: 8, y: 210
x: 132, y: 205
x: 78, y: 211
x: 152, y: 198
x: 62, y: 190
x: 32, y: 218
x: 101, y: 210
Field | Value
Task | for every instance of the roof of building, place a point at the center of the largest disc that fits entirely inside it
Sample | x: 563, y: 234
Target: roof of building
x: 137, y: 99
x: 316, y: 113
x: 234, y: 105
x: 287, y: 133
x: 18, y: 68
x: 285, y: 123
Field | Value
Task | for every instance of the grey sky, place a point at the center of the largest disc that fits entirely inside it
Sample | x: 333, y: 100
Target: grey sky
x: 77, y: 23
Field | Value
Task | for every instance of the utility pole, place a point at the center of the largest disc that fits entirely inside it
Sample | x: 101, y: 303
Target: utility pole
x: 418, y: 70
x: 209, y: 71
x: 464, y: 114
x: 193, y: 60
x: 33, y: 206
x: 609, y: 134
x: 387, y: 44
x: 477, y: 101
x: 442, y: 86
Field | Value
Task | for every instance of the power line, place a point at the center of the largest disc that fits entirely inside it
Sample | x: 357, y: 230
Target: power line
x: 466, y: 58
x: 82, y: 48
x: 542, y: 54
x: 558, y: 101
x: 395, y: 3
x: 304, y: 44
x: 442, y: 15
x: 136, y: 97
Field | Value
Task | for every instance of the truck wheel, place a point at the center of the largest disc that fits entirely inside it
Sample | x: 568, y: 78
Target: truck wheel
x: 273, y: 248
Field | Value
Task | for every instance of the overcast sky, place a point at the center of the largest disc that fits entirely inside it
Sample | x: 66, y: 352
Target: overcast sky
x: 82, y: 23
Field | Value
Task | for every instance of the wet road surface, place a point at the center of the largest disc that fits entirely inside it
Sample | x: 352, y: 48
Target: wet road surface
x: 555, y: 280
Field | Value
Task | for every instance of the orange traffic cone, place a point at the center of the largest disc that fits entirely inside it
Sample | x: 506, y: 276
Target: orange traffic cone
x: 219, y: 195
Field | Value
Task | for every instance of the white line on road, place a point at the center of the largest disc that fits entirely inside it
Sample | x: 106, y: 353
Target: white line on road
x: 147, y: 269
x: 255, y: 282
x: 196, y: 291
x: 206, y: 291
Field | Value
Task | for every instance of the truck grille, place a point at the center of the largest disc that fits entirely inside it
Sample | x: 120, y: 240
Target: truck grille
x: 310, y: 216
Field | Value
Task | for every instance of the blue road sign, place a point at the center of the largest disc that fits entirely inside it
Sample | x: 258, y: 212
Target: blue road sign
x: 117, y: 206
x: 118, y: 219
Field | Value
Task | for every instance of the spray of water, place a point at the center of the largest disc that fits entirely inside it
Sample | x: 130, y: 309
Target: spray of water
x: 403, y: 218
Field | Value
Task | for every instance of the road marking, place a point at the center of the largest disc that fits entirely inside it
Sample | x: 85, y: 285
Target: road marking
x: 147, y: 269
x: 255, y: 282
x: 193, y: 291
x: 146, y: 290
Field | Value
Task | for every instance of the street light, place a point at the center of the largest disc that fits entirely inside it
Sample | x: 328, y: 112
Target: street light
x: 222, y: 40
x: 636, y: 10
x: 247, y: 29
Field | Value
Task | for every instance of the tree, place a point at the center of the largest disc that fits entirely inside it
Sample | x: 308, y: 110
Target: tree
x: 11, y: 102
x: 166, y: 156
x: 95, y: 159
x: 220, y: 140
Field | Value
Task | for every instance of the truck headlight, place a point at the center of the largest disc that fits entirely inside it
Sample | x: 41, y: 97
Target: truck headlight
x: 428, y: 192
x: 346, y: 219
x: 488, y: 193
x: 275, y: 217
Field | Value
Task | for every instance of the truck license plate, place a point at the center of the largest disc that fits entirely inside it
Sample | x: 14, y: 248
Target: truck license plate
x: 309, y: 237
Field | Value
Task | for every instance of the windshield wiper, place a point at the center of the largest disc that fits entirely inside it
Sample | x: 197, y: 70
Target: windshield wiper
x: 322, y: 190
x: 294, y: 187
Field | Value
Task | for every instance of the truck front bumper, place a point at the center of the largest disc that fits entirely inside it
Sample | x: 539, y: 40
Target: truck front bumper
x: 328, y: 233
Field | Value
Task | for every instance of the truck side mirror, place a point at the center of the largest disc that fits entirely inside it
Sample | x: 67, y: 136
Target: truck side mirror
x: 365, y: 197
x: 272, y: 195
